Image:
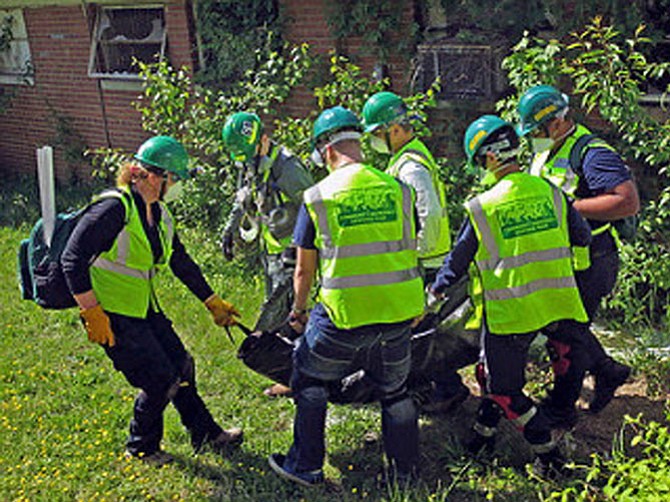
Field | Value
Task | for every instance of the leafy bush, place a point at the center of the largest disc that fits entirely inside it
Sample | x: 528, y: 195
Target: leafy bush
x: 230, y: 32
x: 637, y: 470
x: 606, y: 73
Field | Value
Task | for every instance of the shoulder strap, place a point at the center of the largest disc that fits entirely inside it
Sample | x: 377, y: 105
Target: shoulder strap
x: 115, y: 193
x: 577, y: 153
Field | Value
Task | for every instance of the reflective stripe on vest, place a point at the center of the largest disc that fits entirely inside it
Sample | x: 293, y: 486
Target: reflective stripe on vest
x: 122, y: 277
x: 329, y: 251
x: 534, y: 285
x: 364, y: 278
x: 415, y: 150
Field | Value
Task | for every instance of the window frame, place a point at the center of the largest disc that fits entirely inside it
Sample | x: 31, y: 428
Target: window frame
x: 92, y: 67
x: 24, y: 75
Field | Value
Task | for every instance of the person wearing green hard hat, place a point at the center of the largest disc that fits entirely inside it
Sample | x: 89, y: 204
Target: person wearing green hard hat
x: 121, y: 241
x: 368, y: 297
x: 271, y: 180
x: 515, y: 245
x: 386, y: 119
x: 590, y: 171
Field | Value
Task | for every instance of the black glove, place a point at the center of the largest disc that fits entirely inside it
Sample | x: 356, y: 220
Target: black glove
x: 227, y: 245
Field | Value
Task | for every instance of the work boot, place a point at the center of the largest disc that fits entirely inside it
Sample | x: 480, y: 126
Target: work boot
x: 608, y: 379
x: 227, y: 439
x: 564, y: 417
x: 551, y: 465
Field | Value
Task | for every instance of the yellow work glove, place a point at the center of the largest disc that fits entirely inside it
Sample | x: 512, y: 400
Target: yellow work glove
x: 222, y: 311
x: 97, y: 325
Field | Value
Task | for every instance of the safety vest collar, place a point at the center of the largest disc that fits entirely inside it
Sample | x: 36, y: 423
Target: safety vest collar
x: 557, y: 168
x: 414, y: 149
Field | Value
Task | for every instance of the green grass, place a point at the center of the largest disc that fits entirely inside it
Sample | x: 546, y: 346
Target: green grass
x: 64, y: 414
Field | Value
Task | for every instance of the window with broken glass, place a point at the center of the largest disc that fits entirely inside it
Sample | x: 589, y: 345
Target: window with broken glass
x: 123, y: 35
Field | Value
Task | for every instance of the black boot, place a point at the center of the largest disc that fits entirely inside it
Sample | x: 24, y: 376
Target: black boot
x: 551, y: 465
x: 609, y: 377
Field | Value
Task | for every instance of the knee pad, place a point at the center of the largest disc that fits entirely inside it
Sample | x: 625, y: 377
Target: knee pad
x: 518, y: 409
x: 558, y: 354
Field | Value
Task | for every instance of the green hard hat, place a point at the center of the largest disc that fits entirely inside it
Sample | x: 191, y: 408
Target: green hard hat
x: 164, y: 152
x: 478, y: 131
x: 332, y: 120
x: 538, y: 105
x: 382, y: 109
x: 241, y: 135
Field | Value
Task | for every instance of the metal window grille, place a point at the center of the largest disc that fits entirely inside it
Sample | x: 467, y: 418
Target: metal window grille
x: 465, y: 71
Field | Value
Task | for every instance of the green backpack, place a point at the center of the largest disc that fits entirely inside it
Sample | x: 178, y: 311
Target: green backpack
x: 39, y: 271
x: 626, y: 228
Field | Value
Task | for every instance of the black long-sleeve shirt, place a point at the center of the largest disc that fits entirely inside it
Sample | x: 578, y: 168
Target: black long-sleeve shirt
x: 96, y: 232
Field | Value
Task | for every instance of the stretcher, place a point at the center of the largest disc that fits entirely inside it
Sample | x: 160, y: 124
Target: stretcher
x: 439, y: 341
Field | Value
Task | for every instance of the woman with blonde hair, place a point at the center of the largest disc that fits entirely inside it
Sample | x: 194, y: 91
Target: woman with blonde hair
x: 110, y: 261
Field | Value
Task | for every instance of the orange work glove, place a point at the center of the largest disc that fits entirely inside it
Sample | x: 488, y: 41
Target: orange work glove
x: 222, y: 311
x: 97, y: 325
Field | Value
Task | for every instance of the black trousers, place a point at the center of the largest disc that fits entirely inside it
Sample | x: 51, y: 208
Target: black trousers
x: 505, y: 357
x: 153, y: 359
x: 572, y: 346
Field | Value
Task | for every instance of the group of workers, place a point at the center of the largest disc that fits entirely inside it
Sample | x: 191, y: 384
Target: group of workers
x: 538, y: 246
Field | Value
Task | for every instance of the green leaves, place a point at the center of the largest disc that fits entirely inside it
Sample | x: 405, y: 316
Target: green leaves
x: 606, y: 74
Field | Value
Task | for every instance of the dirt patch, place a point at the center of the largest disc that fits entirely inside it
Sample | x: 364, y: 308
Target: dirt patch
x: 592, y: 434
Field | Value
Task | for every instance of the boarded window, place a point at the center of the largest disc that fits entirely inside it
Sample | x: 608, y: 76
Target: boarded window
x: 465, y: 71
x: 123, y: 35
x: 15, y: 62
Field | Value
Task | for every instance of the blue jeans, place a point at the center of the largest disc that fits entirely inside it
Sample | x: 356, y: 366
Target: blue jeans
x: 320, y: 358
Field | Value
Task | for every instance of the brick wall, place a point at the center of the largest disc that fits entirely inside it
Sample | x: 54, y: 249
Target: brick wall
x: 308, y: 22
x: 60, y: 50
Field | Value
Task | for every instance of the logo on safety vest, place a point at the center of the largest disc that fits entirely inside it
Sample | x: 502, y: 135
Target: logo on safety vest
x: 526, y: 216
x: 364, y: 206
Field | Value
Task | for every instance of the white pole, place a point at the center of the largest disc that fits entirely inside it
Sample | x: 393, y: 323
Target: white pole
x: 45, y: 175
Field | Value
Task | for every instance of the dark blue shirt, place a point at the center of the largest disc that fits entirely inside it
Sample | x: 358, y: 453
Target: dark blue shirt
x: 456, y: 263
x: 603, y: 170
